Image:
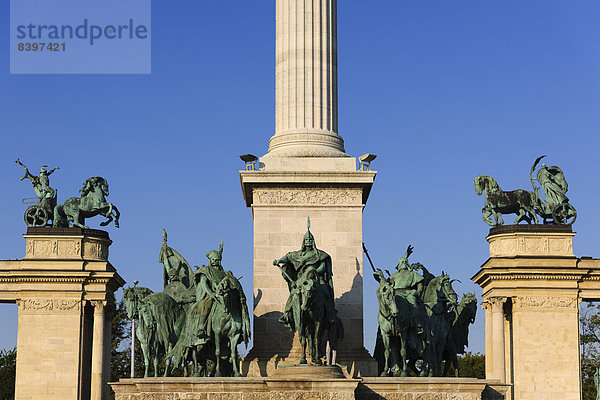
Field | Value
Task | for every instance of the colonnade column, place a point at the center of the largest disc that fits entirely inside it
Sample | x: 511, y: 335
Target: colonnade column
x: 497, y: 340
x: 97, y: 383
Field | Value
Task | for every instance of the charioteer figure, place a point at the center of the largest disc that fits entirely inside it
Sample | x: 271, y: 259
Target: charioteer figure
x: 41, y: 182
x: 41, y: 210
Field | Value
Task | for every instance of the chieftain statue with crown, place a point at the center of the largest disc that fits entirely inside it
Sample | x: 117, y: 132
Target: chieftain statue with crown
x: 310, y: 307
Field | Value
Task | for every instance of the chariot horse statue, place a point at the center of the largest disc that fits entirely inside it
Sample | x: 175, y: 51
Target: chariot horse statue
x: 91, y: 203
x: 498, y: 202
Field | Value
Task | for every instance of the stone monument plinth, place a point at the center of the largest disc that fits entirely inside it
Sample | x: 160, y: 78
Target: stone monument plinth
x: 306, y: 173
x: 62, y: 287
x: 532, y: 287
x: 318, y: 389
x: 333, y: 194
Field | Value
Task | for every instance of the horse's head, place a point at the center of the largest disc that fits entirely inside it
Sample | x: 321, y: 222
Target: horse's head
x: 307, y: 286
x: 229, y: 291
x: 448, y: 290
x: 444, y: 291
x: 480, y: 184
x: 387, y: 299
x: 468, y: 305
x: 132, y: 297
x: 93, y: 184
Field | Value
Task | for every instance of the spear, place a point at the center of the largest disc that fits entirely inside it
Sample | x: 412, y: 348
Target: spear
x: 369, y: 257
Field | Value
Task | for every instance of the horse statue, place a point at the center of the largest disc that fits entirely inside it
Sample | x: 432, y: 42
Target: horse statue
x: 230, y: 324
x: 399, y: 344
x: 310, y: 314
x: 498, y: 202
x: 461, y: 317
x: 439, y: 297
x: 161, y: 320
x: 389, y: 325
x: 91, y: 203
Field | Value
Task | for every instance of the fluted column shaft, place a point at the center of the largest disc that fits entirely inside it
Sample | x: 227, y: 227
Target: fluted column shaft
x: 498, y: 346
x: 306, y: 80
x: 98, y: 351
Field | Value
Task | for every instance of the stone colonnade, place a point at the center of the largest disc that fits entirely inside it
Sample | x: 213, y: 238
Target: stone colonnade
x: 64, y: 291
x: 532, y: 288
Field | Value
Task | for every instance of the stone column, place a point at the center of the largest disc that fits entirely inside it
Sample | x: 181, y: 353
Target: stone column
x: 489, y: 339
x: 108, y: 316
x: 98, y: 351
x: 306, y: 106
x: 306, y: 173
x: 498, y: 346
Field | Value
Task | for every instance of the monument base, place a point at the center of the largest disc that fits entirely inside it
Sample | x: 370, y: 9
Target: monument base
x: 355, y: 364
x: 308, y: 372
x: 318, y: 389
x: 532, y: 285
x: 63, y: 288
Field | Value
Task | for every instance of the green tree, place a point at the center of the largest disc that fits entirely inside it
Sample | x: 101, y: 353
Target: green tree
x: 121, y: 347
x: 472, y: 365
x: 8, y: 367
x: 590, y: 348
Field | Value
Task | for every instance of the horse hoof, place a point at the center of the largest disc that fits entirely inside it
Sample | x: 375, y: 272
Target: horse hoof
x: 238, y: 375
x: 303, y: 361
x: 383, y: 374
x: 404, y: 374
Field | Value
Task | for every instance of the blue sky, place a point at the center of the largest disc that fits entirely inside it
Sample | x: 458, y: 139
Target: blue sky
x: 440, y: 91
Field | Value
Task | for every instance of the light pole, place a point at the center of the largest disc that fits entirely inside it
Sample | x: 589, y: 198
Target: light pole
x: 132, y: 374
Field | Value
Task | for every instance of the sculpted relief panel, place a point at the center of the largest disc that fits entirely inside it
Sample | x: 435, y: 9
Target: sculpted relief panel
x: 49, y: 304
x: 308, y: 196
x: 546, y: 303
x: 530, y: 245
x: 44, y: 248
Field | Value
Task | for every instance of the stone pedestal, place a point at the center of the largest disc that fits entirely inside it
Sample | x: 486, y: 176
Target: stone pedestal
x: 62, y: 288
x: 532, y: 287
x: 282, y: 194
x: 308, y: 389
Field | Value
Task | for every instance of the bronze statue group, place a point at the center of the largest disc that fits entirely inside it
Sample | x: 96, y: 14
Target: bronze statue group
x: 528, y: 205
x: 196, y: 322
x: 201, y: 316
x: 421, y: 322
x: 45, y: 211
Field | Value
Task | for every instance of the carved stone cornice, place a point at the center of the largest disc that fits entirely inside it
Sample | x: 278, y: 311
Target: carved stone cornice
x: 308, y: 196
x: 49, y: 304
x: 544, y: 277
x: 35, y: 279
